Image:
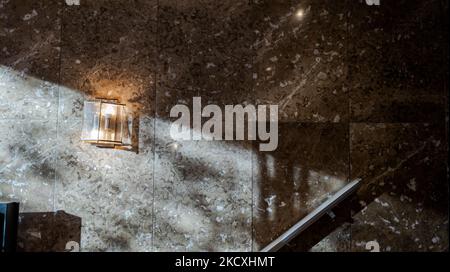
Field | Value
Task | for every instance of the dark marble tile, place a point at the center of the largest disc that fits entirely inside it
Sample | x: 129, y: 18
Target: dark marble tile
x: 48, y: 232
x: 27, y: 159
x: 30, y: 37
x: 175, y: 85
x: 174, y: 43
x: 29, y: 59
x: 299, y: 62
x: 222, y: 56
x: 109, y: 51
x: 205, y: 50
x: 403, y: 200
x: 309, y: 165
x: 396, y: 61
x: 111, y: 190
x: 338, y: 240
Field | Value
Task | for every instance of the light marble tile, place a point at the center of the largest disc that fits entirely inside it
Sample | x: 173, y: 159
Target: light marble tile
x: 27, y: 163
x: 111, y: 190
x: 25, y: 97
x: 202, y: 195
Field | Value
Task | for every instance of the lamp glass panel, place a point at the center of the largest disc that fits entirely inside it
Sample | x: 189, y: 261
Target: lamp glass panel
x: 119, y: 128
x: 91, y: 121
x: 109, y: 113
x: 127, y: 125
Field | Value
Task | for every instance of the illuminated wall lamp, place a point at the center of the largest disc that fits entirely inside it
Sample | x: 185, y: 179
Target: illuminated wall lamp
x: 107, y: 124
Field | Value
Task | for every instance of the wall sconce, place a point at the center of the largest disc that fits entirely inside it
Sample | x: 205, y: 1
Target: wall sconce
x: 106, y: 123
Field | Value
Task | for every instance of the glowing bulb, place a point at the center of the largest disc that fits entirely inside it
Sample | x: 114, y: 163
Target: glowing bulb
x: 109, y: 109
x: 299, y: 14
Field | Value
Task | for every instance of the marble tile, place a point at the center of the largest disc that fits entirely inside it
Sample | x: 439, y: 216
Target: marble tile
x: 48, y: 231
x: 202, y: 195
x: 202, y: 188
x: 223, y: 53
x: 397, y: 226
x: 109, y: 50
x: 67, y: 232
x: 30, y: 37
x: 300, y: 59
x: 403, y: 201
x: 325, y: 63
x: 23, y: 97
x: 111, y: 190
x: 175, y: 83
x: 310, y: 164
x: 174, y: 30
x: 205, y: 50
x: 396, y: 61
x: 29, y: 59
x: 27, y: 159
x: 338, y: 240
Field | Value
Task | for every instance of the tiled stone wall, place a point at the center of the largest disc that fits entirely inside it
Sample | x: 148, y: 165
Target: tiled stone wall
x: 362, y: 92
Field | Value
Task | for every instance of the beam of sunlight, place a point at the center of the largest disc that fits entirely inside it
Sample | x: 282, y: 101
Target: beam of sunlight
x: 25, y: 97
x: 86, y: 174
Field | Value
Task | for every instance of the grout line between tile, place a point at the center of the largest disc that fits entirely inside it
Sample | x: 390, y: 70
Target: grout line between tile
x: 349, y: 108
x: 58, y: 104
x: 154, y: 127
x: 253, y: 156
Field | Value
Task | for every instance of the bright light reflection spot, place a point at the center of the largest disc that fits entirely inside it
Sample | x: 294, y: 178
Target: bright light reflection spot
x: 299, y: 14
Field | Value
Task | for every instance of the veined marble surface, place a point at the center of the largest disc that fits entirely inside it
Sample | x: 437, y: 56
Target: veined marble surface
x: 362, y: 92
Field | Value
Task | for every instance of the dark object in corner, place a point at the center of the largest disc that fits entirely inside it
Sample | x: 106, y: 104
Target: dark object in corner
x: 9, y: 217
x: 49, y: 232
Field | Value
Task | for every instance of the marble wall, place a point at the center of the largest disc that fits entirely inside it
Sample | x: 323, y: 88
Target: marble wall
x: 362, y: 92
